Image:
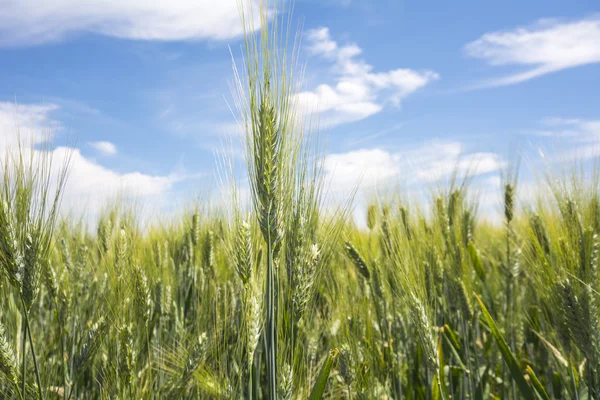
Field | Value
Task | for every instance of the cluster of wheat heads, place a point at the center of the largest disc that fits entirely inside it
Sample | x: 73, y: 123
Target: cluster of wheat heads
x: 284, y: 300
x: 285, y: 175
x: 414, y: 306
x: 30, y: 196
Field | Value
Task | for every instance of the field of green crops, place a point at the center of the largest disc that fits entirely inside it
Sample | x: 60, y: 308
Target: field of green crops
x: 289, y: 298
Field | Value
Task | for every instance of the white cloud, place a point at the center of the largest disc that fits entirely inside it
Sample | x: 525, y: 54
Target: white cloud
x: 381, y: 172
x: 104, y: 148
x: 545, y: 47
x: 90, y: 185
x: 358, y: 92
x: 31, y: 121
x: 25, y: 22
x: 417, y: 166
x: 371, y: 166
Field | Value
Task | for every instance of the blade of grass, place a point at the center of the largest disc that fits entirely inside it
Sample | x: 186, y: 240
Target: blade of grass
x: 321, y: 384
x: 509, y: 358
x: 476, y: 260
x: 537, y: 385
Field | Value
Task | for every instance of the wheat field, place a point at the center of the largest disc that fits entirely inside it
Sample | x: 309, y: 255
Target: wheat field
x: 290, y: 297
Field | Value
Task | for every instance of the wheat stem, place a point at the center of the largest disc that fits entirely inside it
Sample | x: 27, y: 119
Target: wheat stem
x: 35, y: 363
x: 271, y: 322
x: 23, y: 356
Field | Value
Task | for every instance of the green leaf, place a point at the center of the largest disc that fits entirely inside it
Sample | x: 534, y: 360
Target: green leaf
x: 454, y: 347
x: 537, y: 385
x: 439, y: 378
x: 509, y: 358
x: 321, y: 384
x: 435, y: 388
x: 477, y: 264
x: 451, y: 336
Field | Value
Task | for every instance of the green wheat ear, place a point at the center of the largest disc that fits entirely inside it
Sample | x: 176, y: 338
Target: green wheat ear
x: 358, y: 260
x: 424, y: 329
x: 243, y: 252
x: 10, y: 257
x: 509, y: 201
x: 8, y: 361
x: 371, y: 216
x: 90, y: 345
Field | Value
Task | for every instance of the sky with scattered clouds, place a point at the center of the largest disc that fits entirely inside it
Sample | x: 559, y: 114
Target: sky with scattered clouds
x: 405, y: 91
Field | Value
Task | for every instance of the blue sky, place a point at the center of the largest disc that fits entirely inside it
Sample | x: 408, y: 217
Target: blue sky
x: 140, y: 89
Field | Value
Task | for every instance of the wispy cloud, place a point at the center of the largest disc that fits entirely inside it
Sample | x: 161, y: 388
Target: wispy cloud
x: 572, y: 139
x: 104, y: 148
x: 547, y: 46
x: 376, y: 135
x: 27, y: 22
x: 358, y: 92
